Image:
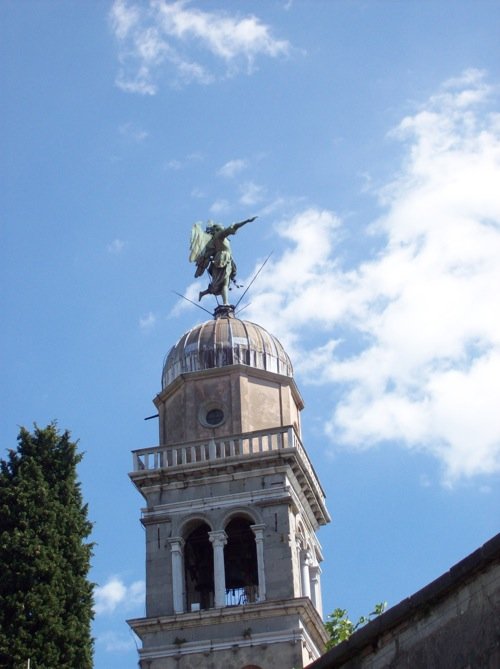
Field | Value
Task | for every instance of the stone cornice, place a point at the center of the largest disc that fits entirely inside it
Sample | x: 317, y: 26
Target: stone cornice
x: 211, y: 470
x: 301, y: 607
x: 261, y: 497
x: 241, y: 370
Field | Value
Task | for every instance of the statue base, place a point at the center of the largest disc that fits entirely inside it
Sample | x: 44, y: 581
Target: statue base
x: 224, y: 311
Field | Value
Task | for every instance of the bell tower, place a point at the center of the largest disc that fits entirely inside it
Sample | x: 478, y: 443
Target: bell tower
x: 233, y: 505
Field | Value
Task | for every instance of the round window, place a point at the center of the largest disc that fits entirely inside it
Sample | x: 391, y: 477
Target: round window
x: 212, y: 413
x: 214, y: 417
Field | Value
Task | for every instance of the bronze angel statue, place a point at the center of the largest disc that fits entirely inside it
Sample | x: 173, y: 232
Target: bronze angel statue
x: 210, y: 250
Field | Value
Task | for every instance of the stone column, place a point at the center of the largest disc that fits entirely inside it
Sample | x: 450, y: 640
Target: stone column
x: 219, y: 540
x: 304, y: 572
x: 315, y: 572
x: 258, y: 530
x: 176, y: 550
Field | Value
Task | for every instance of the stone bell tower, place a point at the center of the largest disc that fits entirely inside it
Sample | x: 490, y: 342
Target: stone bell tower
x: 233, y: 505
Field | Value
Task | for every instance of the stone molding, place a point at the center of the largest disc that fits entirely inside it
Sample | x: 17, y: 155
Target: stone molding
x: 294, y: 636
x: 240, y: 370
x: 244, y: 614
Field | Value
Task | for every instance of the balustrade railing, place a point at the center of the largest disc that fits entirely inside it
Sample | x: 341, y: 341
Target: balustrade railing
x: 250, y: 443
x: 247, y: 594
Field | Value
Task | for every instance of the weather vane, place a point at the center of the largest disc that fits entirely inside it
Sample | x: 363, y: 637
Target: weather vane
x: 211, y: 251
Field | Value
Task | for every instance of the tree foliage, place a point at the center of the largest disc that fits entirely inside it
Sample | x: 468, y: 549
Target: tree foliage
x: 45, y: 596
x: 340, y: 628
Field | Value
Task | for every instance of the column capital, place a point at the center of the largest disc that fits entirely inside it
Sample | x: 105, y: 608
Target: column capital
x: 307, y: 556
x: 176, y: 543
x: 218, y: 538
x: 315, y: 570
x: 258, y: 531
x: 300, y: 542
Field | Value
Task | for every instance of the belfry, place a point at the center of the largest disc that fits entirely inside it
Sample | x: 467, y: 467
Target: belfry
x: 232, y: 509
x: 233, y: 505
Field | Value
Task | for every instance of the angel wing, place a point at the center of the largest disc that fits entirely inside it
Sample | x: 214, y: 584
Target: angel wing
x: 199, y: 240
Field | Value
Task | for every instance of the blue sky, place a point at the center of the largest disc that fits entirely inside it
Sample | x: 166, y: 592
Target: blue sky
x: 366, y: 137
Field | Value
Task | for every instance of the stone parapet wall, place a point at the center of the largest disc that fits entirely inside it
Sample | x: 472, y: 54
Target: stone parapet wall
x: 452, y: 623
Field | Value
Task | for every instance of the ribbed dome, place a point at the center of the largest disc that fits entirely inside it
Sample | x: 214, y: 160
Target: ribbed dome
x: 225, y: 341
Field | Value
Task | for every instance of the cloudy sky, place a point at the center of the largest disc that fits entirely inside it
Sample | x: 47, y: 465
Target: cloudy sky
x: 365, y: 135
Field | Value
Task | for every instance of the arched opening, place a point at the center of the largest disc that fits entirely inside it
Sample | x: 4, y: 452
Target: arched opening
x: 199, y: 569
x: 240, y: 563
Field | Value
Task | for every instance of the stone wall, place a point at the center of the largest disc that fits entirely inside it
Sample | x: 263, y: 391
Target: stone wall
x: 452, y: 623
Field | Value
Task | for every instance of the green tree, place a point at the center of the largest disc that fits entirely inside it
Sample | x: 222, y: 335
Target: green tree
x: 340, y: 628
x: 45, y: 596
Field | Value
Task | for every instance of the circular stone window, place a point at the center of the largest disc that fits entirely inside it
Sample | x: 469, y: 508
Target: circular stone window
x: 214, y: 417
x: 211, y: 414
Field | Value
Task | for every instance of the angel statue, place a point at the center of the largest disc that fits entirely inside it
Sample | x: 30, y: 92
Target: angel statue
x: 210, y: 250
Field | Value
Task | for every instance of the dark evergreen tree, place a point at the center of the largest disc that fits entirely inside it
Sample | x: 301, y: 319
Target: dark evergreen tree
x: 45, y: 595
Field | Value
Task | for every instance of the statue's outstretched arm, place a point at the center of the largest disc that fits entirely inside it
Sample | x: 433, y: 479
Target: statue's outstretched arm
x: 236, y: 226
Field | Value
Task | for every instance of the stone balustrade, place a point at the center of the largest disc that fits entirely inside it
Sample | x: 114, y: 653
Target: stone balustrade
x: 249, y: 443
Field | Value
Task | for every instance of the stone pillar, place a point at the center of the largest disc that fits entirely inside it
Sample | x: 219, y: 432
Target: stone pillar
x: 219, y: 540
x: 258, y: 530
x: 304, y: 572
x: 315, y: 572
x: 176, y: 550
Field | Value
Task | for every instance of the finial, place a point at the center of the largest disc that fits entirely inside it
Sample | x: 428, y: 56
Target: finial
x: 224, y: 311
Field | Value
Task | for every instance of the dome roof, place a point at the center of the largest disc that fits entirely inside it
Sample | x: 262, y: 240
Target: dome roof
x: 226, y: 340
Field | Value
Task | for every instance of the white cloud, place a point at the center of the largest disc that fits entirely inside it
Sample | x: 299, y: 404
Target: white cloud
x: 147, y: 322
x: 251, y: 193
x: 162, y: 33
x: 174, y: 164
x: 133, y: 132
x: 232, y: 168
x: 116, y: 594
x: 197, y: 193
x: 219, y: 206
x: 116, y: 246
x: 224, y: 35
x: 410, y: 337
x: 187, y: 161
x: 123, y: 19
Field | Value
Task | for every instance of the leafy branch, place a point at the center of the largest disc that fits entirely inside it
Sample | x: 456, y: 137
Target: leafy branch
x: 339, y: 627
